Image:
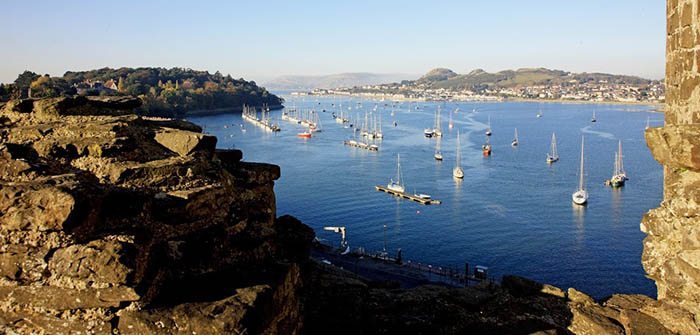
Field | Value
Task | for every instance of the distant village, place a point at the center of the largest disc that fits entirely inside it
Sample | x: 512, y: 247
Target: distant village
x: 600, y: 91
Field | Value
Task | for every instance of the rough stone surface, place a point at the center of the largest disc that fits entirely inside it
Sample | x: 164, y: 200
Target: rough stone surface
x: 671, y: 255
x: 114, y: 223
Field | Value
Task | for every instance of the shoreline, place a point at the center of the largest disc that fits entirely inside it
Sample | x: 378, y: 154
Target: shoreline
x: 658, y: 106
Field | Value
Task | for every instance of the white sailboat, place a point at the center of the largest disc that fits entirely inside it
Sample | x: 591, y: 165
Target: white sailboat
x: 515, y: 139
x: 451, y: 124
x: 429, y: 132
x: 647, y: 126
x: 396, y: 185
x: 438, y: 153
x: 619, y: 176
x: 457, y: 172
x: 488, y: 130
x: 437, y: 130
x: 593, y: 119
x: 580, y: 197
x: 553, y: 155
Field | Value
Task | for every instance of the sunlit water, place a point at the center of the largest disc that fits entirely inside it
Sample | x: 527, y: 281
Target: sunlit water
x: 512, y: 212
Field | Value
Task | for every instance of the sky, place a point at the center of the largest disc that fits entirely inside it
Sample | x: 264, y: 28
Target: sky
x: 260, y: 40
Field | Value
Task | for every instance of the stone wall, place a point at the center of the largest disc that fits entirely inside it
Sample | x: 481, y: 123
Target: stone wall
x: 112, y: 223
x: 671, y: 254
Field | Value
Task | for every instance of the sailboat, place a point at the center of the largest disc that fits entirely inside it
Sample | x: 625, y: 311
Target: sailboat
x: 378, y: 131
x: 515, y: 139
x: 395, y: 185
x: 437, y: 131
x: 619, y: 176
x: 438, y: 154
x: 457, y: 172
x: 315, y: 125
x: 647, y: 126
x: 488, y: 130
x: 429, y: 132
x: 593, y: 119
x: 580, y: 197
x: 553, y: 155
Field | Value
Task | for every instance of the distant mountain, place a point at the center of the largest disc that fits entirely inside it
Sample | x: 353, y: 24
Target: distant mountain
x: 334, y: 80
x: 445, y: 78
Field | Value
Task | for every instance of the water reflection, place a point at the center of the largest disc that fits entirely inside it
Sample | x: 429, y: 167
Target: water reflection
x: 578, y: 214
x: 616, y: 205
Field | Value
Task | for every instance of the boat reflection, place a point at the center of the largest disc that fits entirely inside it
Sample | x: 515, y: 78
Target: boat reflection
x: 616, y: 205
x: 579, y: 216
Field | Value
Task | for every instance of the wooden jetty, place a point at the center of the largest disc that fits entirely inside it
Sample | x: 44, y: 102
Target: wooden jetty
x: 412, y: 197
x: 265, y: 124
x: 250, y: 114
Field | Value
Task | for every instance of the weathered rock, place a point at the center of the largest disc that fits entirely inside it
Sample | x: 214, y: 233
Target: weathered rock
x: 56, y: 298
x: 677, y: 146
x: 34, y: 208
x: 81, y: 105
x: 97, y: 264
x: 103, y: 212
x: 593, y: 320
x: 579, y: 297
x: 185, y: 142
x: 520, y: 286
x: 233, y: 315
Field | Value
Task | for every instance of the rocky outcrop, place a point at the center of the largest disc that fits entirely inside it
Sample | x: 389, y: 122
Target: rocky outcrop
x: 341, y: 303
x: 113, y: 223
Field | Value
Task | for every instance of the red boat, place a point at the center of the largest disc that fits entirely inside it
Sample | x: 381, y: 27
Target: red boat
x: 486, y: 149
x: 305, y: 134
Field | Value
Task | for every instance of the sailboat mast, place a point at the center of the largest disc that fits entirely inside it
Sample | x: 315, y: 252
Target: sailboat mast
x: 619, y: 156
x: 580, y: 180
x: 459, y: 151
x: 398, y: 169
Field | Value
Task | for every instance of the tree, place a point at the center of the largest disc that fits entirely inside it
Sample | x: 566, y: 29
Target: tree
x: 120, y: 85
x: 23, y: 81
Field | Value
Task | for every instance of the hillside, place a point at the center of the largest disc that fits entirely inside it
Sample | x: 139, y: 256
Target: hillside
x: 165, y: 92
x: 447, y: 79
x: 333, y: 80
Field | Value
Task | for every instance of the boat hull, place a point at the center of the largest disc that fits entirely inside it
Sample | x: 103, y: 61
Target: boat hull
x: 458, y: 173
x: 580, y: 197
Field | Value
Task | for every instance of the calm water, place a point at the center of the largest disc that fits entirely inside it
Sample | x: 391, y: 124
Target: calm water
x: 512, y: 212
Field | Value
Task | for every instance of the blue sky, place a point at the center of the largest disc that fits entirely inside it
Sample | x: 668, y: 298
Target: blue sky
x: 262, y: 39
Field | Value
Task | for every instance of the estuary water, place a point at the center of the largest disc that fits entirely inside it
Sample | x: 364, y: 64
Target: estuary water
x: 512, y: 212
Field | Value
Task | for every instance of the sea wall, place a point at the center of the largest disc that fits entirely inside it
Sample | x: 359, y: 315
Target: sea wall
x: 671, y: 254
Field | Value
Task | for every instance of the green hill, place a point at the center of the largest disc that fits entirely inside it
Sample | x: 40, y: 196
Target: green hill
x: 447, y: 79
x: 165, y: 92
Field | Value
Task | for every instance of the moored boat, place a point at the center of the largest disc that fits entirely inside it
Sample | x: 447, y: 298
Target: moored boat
x: 580, y: 197
x: 395, y: 185
x: 619, y: 176
x: 457, y: 171
x: 553, y: 155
